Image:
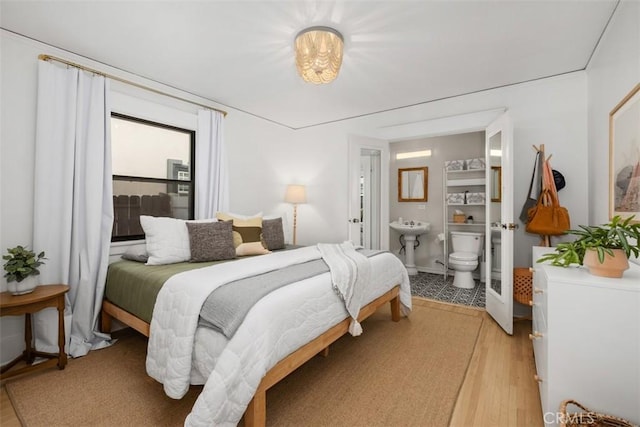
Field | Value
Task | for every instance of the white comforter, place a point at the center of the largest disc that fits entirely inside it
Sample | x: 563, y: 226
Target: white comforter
x: 279, y: 324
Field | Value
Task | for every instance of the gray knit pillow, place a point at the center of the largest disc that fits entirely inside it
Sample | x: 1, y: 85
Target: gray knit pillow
x: 211, y: 241
x: 272, y: 234
x: 136, y: 253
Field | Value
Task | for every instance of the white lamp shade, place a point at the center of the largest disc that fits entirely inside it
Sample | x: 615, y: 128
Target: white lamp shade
x: 295, y: 194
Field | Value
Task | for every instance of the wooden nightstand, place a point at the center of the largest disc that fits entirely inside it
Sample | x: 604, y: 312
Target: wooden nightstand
x: 42, y: 297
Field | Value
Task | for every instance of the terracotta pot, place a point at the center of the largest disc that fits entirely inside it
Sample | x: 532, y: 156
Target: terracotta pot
x: 27, y: 285
x: 613, y: 266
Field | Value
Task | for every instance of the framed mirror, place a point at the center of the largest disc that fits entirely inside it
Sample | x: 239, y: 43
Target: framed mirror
x: 496, y: 184
x: 412, y: 184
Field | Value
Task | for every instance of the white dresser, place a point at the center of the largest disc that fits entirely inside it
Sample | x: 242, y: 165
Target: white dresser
x: 586, y: 340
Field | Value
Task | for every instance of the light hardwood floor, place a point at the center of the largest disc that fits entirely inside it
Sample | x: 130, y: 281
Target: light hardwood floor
x: 7, y: 415
x: 498, y: 389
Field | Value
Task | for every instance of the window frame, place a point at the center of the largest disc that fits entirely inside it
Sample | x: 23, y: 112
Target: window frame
x: 192, y: 167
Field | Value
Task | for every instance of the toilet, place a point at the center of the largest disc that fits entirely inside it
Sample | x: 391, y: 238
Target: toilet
x: 467, y: 246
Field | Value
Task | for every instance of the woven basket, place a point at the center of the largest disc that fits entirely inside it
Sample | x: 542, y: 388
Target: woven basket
x: 522, y: 283
x: 458, y: 218
x: 588, y: 418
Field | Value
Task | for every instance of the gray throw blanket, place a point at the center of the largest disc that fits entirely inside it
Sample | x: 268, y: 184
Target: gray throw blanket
x: 226, y: 307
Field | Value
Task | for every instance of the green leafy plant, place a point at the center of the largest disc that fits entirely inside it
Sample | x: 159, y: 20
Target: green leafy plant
x: 617, y: 234
x: 22, y: 263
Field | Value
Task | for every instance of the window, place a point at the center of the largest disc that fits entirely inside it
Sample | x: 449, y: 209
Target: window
x: 152, y: 166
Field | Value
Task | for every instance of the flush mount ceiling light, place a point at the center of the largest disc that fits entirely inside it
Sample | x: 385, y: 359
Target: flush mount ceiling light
x: 319, y: 54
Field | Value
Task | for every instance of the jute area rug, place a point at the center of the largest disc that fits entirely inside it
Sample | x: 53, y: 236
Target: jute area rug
x: 395, y: 374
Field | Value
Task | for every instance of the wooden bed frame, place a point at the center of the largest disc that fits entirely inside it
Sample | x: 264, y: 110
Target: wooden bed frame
x: 256, y: 413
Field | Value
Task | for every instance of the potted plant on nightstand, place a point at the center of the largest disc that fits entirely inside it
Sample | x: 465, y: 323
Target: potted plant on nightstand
x: 21, y: 269
x: 603, y: 249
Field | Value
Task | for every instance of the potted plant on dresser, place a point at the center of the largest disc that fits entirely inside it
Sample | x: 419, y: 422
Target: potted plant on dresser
x: 603, y: 249
x: 21, y: 269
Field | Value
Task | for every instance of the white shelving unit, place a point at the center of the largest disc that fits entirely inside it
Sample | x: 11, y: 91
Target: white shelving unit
x: 465, y: 182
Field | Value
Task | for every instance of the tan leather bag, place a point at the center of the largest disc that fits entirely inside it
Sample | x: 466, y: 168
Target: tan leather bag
x: 551, y: 220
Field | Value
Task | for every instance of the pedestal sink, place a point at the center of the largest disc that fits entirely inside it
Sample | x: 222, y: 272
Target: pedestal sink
x: 410, y: 230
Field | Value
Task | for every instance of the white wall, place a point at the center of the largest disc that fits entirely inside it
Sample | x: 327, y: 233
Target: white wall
x: 264, y: 157
x: 252, y: 189
x: 17, y: 136
x: 550, y: 111
x: 613, y: 71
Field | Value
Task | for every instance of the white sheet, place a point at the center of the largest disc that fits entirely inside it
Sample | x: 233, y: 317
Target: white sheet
x: 177, y: 309
x: 279, y: 324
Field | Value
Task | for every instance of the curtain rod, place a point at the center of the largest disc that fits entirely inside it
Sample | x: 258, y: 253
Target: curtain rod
x: 44, y: 57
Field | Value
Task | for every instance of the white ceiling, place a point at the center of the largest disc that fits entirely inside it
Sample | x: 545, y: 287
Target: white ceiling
x: 397, y: 53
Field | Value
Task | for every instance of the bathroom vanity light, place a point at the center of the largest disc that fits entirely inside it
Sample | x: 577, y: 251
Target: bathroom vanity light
x: 413, y: 154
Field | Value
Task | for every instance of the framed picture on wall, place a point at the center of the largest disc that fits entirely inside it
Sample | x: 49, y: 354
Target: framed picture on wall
x: 624, y: 157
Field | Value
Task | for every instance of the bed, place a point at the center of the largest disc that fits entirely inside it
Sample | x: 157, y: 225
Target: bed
x: 279, y: 333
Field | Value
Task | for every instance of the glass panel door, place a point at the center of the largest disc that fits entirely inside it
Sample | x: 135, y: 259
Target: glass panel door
x: 500, y: 225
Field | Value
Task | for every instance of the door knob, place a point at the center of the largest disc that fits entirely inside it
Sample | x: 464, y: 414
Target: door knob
x: 354, y: 221
x: 510, y: 226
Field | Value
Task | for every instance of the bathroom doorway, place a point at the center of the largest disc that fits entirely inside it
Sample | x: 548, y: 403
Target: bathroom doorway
x: 433, y: 152
x: 370, y: 179
x: 368, y: 192
x: 495, y: 123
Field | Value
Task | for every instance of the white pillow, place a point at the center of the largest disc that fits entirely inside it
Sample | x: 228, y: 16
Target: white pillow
x: 167, y: 239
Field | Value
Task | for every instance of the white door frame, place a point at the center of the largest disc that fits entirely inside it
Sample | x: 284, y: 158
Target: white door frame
x: 381, y: 137
x: 356, y: 144
x: 371, y: 198
x: 463, y: 123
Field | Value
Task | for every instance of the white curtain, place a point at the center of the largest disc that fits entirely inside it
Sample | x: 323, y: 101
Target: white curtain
x: 212, y: 182
x: 73, y: 207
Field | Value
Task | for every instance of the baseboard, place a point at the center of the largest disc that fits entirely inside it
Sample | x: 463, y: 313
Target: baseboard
x: 434, y: 270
